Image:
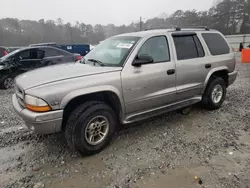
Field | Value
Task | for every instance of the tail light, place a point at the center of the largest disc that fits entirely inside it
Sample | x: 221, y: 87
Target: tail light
x: 5, y: 52
x: 78, y: 58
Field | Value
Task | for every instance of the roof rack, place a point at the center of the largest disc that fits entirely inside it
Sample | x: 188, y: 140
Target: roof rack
x: 163, y: 27
x: 177, y: 28
x: 197, y: 27
x: 43, y: 44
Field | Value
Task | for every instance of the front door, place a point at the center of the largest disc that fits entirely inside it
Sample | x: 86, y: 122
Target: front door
x: 150, y: 85
x: 27, y: 60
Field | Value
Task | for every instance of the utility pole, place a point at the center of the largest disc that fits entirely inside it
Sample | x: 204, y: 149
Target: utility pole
x: 140, y: 24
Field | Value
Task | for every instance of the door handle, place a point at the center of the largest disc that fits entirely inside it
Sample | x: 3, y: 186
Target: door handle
x: 208, y: 66
x: 170, y: 71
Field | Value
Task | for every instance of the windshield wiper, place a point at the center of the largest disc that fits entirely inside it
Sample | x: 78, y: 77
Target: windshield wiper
x: 96, y: 61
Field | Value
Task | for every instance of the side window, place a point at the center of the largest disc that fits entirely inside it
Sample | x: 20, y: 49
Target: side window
x: 40, y: 54
x: 199, y: 47
x: 50, y: 52
x: 188, y: 47
x: 216, y: 43
x: 157, y: 48
x: 24, y: 54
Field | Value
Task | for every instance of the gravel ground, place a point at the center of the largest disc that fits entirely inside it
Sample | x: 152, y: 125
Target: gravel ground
x: 168, y: 150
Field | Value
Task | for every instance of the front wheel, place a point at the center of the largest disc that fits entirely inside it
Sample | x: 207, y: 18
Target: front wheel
x: 214, y: 94
x: 90, y: 127
x: 7, y: 82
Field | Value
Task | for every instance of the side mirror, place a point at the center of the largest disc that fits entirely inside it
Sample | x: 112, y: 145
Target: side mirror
x: 142, y: 59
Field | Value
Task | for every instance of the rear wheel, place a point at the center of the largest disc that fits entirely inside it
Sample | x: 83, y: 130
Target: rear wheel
x: 90, y: 127
x: 214, y: 94
x: 7, y: 82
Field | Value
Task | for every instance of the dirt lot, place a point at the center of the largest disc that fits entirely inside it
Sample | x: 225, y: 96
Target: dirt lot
x: 167, y: 151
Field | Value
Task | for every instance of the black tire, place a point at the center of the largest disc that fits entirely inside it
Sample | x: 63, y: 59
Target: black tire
x: 78, y: 121
x: 2, y: 82
x: 207, y: 100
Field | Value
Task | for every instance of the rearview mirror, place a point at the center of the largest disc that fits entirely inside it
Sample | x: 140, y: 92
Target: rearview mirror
x: 142, y: 59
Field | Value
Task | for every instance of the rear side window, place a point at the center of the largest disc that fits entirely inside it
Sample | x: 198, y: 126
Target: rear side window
x: 50, y: 52
x: 188, y: 47
x: 216, y: 43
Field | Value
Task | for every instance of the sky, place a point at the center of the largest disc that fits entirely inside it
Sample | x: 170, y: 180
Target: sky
x: 103, y: 12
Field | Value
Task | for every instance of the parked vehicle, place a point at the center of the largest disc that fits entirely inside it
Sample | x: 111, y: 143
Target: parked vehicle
x: 29, y: 58
x: 82, y: 49
x: 11, y: 49
x: 126, y: 78
x: 3, y: 51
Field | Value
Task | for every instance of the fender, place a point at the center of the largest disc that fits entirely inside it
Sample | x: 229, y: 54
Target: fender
x: 210, y: 73
x: 95, y: 89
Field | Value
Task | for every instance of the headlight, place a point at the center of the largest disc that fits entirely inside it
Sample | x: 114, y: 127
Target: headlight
x: 36, y: 104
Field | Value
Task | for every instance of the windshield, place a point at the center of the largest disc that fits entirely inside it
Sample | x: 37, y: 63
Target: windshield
x: 9, y: 55
x: 113, y: 51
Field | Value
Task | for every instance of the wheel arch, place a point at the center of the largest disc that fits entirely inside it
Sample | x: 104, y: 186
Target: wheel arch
x: 216, y: 72
x: 109, y: 95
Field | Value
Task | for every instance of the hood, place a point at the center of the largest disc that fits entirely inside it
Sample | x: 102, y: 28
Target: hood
x: 56, y: 73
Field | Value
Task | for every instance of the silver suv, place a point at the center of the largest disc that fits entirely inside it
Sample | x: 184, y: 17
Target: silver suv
x: 126, y: 78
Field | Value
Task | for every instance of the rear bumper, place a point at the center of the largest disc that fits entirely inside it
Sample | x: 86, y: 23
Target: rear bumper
x: 232, y: 77
x: 42, y: 123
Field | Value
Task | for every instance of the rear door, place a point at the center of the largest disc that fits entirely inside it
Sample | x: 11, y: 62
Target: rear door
x: 191, y: 64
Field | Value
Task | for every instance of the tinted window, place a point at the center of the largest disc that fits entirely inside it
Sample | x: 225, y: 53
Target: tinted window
x: 49, y: 52
x: 199, y: 47
x: 40, y: 54
x: 185, y: 47
x: 30, y: 54
x: 188, y: 47
x: 157, y: 48
x: 24, y: 54
x: 216, y: 43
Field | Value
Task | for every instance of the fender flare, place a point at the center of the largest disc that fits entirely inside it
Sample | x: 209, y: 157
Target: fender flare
x: 222, y: 68
x: 91, y: 90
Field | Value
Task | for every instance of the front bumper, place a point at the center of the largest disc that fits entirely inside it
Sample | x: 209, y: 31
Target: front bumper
x: 42, y: 123
x: 232, y: 77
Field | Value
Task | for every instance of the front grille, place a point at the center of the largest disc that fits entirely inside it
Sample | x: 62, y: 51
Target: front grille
x: 20, y: 96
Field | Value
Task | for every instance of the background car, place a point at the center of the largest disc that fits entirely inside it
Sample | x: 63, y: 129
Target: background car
x: 3, y: 51
x: 29, y: 58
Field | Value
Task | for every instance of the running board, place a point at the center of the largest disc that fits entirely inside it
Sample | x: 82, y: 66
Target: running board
x: 160, y: 110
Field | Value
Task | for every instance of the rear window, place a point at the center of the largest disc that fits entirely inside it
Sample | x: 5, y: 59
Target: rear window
x: 216, y: 43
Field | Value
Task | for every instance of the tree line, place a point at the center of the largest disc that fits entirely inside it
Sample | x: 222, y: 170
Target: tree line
x: 227, y: 16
